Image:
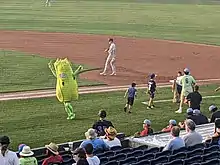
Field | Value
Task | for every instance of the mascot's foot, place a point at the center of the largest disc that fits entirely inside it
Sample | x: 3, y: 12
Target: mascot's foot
x: 71, y: 117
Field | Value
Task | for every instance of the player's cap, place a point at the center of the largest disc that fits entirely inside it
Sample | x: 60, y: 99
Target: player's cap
x: 196, y: 111
x: 186, y: 70
x: 172, y: 122
x: 213, y: 108
x: 102, y: 113
x: 189, y: 111
x: 147, y: 122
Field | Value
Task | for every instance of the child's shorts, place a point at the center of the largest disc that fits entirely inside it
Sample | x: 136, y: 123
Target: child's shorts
x: 130, y: 101
x: 152, y: 94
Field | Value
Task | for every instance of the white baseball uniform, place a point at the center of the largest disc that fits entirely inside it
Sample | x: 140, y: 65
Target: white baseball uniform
x: 111, y: 58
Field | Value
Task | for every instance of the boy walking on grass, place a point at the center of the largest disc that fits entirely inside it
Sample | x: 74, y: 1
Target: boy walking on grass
x: 131, y: 92
x: 151, y: 90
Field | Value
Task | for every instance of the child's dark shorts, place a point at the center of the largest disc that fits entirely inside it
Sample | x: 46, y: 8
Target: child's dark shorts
x: 152, y: 94
x: 130, y: 101
x: 179, y: 89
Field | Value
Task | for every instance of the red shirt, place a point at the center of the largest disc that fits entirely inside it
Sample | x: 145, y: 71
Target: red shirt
x: 146, y: 131
x: 53, y: 159
x: 167, y: 129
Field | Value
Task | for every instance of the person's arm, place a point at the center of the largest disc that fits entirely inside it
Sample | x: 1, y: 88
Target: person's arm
x: 35, y: 161
x: 217, y: 89
x: 174, y: 85
x: 126, y: 92
x: 212, y: 119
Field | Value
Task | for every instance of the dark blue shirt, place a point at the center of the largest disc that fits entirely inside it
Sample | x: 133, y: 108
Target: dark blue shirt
x: 152, y: 85
x: 131, y: 92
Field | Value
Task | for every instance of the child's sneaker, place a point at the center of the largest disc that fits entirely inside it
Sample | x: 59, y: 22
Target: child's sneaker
x: 152, y: 106
x: 148, y: 107
x: 125, y: 109
x: 129, y: 111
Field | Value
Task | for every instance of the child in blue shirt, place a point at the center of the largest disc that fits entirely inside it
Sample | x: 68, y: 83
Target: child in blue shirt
x: 131, y: 92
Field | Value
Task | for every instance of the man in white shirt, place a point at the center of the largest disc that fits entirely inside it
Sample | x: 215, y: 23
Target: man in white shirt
x: 7, y: 157
x: 91, y: 159
x: 177, y: 88
x: 111, y: 58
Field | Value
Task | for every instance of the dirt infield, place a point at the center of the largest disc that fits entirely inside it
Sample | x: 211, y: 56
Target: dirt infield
x: 136, y: 58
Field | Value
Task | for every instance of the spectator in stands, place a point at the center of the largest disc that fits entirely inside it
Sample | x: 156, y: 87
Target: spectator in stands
x: 176, y: 142
x: 194, y: 99
x: 147, y: 129
x: 172, y: 123
x: 91, y: 137
x: 26, y: 157
x: 215, y: 138
x: 7, y: 157
x: 79, y: 155
x: 110, y: 137
x: 52, y: 154
x: 192, y: 137
x: 215, y: 113
x: 92, y: 160
x: 102, y: 124
x: 199, y: 118
x: 189, y: 113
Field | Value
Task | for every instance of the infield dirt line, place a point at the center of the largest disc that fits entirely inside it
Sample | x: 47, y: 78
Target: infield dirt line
x: 84, y: 90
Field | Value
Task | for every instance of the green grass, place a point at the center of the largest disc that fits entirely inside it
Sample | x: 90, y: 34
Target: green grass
x: 197, y: 21
x: 39, y: 121
x: 20, y: 71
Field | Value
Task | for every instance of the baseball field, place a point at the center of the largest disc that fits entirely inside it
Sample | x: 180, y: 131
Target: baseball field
x: 161, y: 36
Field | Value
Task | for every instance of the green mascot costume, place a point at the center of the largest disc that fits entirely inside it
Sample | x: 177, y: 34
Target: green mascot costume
x: 66, y: 85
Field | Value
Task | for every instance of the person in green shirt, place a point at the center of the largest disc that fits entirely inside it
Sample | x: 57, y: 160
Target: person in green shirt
x: 187, y: 82
x: 26, y: 157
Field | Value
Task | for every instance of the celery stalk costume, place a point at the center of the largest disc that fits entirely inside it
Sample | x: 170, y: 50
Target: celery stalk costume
x: 66, y: 85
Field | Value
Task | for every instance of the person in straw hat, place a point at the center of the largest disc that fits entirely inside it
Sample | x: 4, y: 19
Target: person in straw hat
x: 91, y: 137
x: 110, y: 137
x: 26, y: 157
x: 53, y: 154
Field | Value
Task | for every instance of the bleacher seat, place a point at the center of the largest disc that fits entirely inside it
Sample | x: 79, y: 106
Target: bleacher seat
x: 128, y: 161
x: 182, y: 149
x: 211, y: 162
x: 163, y: 153
x: 197, y: 146
x: 55, y: 163
x: 118, y: 157
x: 175, y: 162
x: 143, y: 147
x: 124, y: 150
x: 196, y: 164
x: 152, y: 150
x: 135, y: 153
x: 211, y: 149
x: 149, y: 156
x: 194, y: 153
x: 113, y: 162
x: 210, y: 156
x: 106, y: 154
x: 160, y: 160
x: 103, y: 160
x: 143, y: 162
x: 180, y: 155
x: 195, y: 159
x: 115, y: 148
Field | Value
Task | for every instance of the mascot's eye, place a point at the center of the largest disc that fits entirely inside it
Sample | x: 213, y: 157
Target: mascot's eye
x: 74, y: 78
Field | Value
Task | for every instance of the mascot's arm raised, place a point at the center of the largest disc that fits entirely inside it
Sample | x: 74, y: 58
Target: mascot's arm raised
x: 51, y: 66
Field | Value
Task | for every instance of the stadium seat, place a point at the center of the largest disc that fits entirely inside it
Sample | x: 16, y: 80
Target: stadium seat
x: 175, y: 162
x: 196, y: 164
x: 194, y: 153
x: 149, y: 156
x: 180, y: 155
x: 118, y: 157
x: 98, y: 152
x: 210, y: 156
x: 182, y: 149
x: 143, y: 162
x: 124, y: 150
x: 160, y: 160
x: 128, y: 161
x: 152, y: 150
x: 103, y: 160
x: 163, y: 153
x: 115, y: 148
x: 111, y: 163
x: 106, y: 154
x: 195, y: 159
x: 143, y: 147
x: 197, y: 146
x: 211, y: 149
x: 211, y: 162
x: 55, y: 163
x: 135, y: 153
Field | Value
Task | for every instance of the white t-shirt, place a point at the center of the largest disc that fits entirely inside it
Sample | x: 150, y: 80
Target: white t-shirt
x: 93, y: 160
x: 112, y: 143
x: 112, y: 50
x: 178, y: 79
x: 10, y: 158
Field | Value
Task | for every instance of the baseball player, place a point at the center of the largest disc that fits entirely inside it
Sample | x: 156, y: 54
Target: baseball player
x: 187, y: 82
x: 111, y: 58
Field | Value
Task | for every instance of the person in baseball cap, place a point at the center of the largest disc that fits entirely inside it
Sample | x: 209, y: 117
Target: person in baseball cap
x: 146, y: 129
x: 151, y: 90
x: 199, y: 118
x: 172, y: 123
x: 215, y: 113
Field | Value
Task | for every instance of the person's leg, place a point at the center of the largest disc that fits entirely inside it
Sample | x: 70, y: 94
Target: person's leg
x: 182, y: 97
x: 125, y: 108
x: 112, y: 64
x: 69, y: 110
x: 150, y: 103
x: 106, y: 66
x: 130, y: 105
